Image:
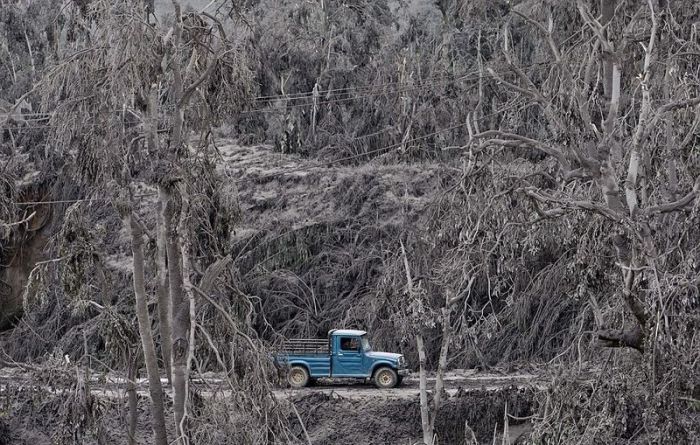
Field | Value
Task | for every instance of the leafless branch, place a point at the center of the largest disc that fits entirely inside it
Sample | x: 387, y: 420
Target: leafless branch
x: 572, y: 203
x: 516, y: 140
x: 27, y: 219
x: 679, y: 204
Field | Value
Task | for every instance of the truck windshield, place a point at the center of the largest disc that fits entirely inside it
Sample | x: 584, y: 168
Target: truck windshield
x: 365, y: 344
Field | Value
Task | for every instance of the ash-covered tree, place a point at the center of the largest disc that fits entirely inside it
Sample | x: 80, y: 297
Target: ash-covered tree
x: 91, y: 95
x: 417, y: 319
x: 122, y: 115
x: 639, y: 132
x: 607, y: 96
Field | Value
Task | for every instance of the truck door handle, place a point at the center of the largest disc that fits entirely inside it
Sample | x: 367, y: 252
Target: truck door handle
x: 340, y: 353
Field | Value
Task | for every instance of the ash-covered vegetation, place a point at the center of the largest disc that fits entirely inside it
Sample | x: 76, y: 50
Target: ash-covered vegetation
x: 478, y: 184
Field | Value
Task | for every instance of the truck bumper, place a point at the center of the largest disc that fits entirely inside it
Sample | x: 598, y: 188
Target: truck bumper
x: 403, y: 372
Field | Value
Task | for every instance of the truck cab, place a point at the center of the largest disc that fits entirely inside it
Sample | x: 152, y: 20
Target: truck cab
x: 346, y: 353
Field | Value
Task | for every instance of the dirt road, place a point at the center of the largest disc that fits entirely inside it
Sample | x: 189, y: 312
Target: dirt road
x: 114, y: 386
x: 455, y: 382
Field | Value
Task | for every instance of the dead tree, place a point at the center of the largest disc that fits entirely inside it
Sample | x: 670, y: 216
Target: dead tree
x: 592, y: 148
x: 117, y: 81
x: 149, y: 351
x: 162, y: 282
x: 175, y: 213
x: 419, y: 318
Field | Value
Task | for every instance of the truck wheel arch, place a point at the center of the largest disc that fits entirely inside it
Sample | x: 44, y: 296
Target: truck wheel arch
x: 378, y: 365
x: 300, y: 364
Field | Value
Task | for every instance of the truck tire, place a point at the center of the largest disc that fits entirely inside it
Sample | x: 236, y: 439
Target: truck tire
x: 385, y: 377
x: 298, y: 377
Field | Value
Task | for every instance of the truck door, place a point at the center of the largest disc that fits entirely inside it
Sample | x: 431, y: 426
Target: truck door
x: 347, y: 357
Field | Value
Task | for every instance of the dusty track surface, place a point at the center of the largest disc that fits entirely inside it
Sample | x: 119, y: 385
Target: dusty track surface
x: 459, y: 381
x: 456, y: 382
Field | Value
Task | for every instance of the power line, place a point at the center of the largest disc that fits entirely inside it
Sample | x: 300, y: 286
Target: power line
x: 386, y: 148
x: 72, y: 201
x: 294, y: 96
x: 464, y: 77
x: 306, y: 95
x: 335, y: 161
x: 310, y: 94
x: 44, y: 116
x: 368, y: 88
x: 47, y: 126
x: 280, y: 110
x: 380, y: 93
x: 62, y: 201
x: 49, y: 114
x: 429, y: 80
x: 304, y: 168
x: 332, y: 101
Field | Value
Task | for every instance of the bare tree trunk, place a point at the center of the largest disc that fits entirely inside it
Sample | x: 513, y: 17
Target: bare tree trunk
x: 442, y: 364
x: 162, y: 284
x: 314, y: 111
x: 175, y: 214
x: 164, y: 328
x: 179, y: 310
x: 634, y: 336
x: 149, y: 350
x: 426, y: 424
x: 186, y: 310
x: 607, y: 11
x: 133, y: 401
x: 611, y: 81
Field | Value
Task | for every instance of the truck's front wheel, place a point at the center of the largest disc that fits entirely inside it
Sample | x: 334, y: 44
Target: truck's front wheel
x: 385, y: 378
x: 298, y: 377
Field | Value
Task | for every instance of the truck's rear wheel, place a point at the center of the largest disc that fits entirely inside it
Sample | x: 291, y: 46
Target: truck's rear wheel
x: 385, y: 378
x: 298, y: 377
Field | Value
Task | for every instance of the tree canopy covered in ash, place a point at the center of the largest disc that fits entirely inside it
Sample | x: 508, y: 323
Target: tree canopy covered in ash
x: 477, y: 184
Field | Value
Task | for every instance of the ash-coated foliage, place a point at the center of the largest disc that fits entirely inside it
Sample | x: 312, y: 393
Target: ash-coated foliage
x: 388, y: 153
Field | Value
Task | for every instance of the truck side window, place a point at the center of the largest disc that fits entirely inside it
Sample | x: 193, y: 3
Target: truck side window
x: 348, y: 344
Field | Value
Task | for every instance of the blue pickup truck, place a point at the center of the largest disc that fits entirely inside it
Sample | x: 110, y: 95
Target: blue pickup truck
x: 346, y: 353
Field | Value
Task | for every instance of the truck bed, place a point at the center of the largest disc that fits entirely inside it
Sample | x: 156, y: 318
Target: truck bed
x: 306, y: 346
x: 313, y: 352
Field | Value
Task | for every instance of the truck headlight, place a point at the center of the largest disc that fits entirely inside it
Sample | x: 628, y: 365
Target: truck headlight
x: 401, y: 361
